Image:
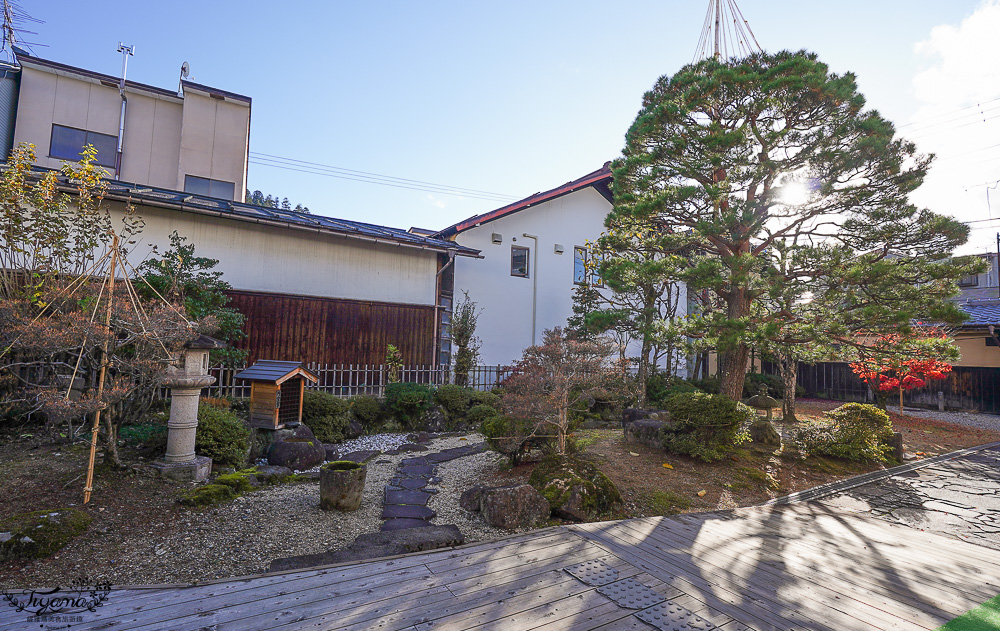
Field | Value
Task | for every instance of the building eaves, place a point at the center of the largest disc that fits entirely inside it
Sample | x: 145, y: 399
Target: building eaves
x: 982, y: 313
x: 199, y: 204
x: 31, y: 61
x: 599, y: 179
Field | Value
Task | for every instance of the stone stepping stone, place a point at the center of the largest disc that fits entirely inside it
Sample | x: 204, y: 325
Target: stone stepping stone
x: 411, y: 471
x: 361, y: 456
x: 406, y: 462
x: 408, y: 512
x: 406, y: 447
x: 410, y: 484
x: 403, y: 524
x: 415, y: 498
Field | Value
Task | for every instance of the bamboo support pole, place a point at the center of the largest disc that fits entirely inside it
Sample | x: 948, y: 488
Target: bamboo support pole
x: 104, y: 367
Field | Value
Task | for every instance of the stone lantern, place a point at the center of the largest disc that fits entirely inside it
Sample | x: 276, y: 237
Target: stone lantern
x: 185, y: 378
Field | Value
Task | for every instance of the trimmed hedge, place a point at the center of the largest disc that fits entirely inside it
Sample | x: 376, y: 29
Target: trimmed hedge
x: 854, y: 431
x: 407, y: 402
x: 368, y: 411
x: 222, y: 436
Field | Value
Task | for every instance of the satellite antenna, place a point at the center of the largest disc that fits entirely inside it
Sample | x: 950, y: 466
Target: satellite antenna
x: 185, y: 71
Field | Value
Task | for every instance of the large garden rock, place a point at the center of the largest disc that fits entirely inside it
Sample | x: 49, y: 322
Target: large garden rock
x: 40, y: 534
x: 299, y: 432
x: 576, y: 489
x: 645, y: 431
x: 268, y: 474
x: 298, y: 454
x: 515, y: 506
x: 354, y: 429
x: 471, y: 498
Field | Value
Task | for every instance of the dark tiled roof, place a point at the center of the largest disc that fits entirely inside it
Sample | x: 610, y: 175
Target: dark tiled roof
x: 982, y: 313
x: 30, y: 60
x: 269, y: 370
x: 599, y: 179
x: 189, y: 202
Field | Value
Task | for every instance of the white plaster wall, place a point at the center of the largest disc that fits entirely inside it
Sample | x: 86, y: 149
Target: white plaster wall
x: 505, y: 323
x: 283, y: 260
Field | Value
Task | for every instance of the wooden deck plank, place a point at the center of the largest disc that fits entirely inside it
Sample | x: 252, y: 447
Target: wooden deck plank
x: 827, y: 574
x: 539, y: 610
x: 808, y: 557
x: 739, y: 598
x: 780, y: 587
x: 198, y: 600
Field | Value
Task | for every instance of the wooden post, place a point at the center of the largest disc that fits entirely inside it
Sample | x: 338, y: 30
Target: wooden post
x: 104, y: 367
x: 302, y: 395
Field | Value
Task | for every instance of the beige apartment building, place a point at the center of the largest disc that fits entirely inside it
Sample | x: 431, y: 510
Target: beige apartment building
x: 194, y: 139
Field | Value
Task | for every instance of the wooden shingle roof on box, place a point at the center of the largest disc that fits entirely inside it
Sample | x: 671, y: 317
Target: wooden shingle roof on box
x: 275, y: 372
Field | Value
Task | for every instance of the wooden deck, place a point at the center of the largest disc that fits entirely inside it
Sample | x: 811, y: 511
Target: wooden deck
x: 800, y: 566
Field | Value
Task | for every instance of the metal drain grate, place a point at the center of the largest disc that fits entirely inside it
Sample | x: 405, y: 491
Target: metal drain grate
x: 595, y: 572
x: 669, y: 617
x: 631, y: 594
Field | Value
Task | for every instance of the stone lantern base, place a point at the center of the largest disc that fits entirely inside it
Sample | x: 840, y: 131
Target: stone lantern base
x: 190, y: 471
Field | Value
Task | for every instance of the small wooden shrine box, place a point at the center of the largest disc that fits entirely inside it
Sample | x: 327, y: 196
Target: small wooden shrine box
x: 276, y: 392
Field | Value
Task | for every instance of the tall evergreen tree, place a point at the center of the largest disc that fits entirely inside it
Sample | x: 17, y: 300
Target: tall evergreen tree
x: 740, y: 157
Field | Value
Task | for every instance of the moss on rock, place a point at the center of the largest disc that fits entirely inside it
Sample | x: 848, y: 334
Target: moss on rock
x: 40, y: 534
x: 208, y: 495
x: 240, y: 482
x: 575, y: 488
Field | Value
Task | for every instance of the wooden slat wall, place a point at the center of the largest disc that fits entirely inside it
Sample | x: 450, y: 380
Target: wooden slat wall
x: 333, y: 331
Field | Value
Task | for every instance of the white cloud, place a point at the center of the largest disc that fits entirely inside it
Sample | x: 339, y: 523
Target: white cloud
x: 440, y: 203
x: 958, y: 118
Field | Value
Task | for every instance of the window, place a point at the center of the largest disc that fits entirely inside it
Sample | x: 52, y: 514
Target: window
x: 972, y: 280
x: 579, y: 265
x: 518, y: 261
x: 581, y: 274
x: 209, y: 188
x: 67, y: 143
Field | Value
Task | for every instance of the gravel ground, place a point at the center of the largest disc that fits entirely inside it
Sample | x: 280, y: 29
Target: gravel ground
x: 243, y: 536
x: 968, y: 419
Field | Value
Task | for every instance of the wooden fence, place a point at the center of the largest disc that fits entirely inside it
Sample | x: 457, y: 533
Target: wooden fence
x: 347, y: 380
x: 966, y: 388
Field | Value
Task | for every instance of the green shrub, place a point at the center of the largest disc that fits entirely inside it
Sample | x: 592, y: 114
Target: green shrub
x: 479, y: 413
x: 507, y: 435
x: 317, y: 404
x: 330, y: 429
x: 152, y: 432
x: 658, y: 391
x: 705, y: 426
x: 240, y: 407
x: 407, y: 402
x: 480, y: 397
x: 754, y: 380
x: 367, y: 410
x: 454, y: 399
x: 711, y: 385
x: 222, y: 436
x: 854, y: 431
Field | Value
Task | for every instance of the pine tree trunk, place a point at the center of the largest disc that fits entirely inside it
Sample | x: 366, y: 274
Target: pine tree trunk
x: 789, y: 368
x: 643, y: 370
x: 733, y: 361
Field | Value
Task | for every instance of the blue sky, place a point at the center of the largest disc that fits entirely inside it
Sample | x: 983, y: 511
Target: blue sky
x: 517, y: 97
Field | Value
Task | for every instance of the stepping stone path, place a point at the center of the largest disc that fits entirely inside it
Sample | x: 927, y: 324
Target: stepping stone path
x: 407, y: 494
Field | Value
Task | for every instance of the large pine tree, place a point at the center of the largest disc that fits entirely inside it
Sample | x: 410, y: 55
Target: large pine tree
x: 737, y: 158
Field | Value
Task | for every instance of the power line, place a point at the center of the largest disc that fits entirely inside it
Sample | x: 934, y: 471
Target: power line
x: 304, y: 166
x: 427, y: 189
x: 936, y: 116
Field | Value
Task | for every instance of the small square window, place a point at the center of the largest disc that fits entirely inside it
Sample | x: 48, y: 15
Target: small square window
x: 518, y: 261
x: 972, y: 280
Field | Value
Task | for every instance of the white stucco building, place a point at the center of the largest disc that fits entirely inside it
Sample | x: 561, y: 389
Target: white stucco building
x: 533, y: 253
